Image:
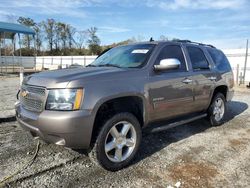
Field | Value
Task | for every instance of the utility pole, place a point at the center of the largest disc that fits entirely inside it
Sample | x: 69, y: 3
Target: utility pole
x: 245, y: 66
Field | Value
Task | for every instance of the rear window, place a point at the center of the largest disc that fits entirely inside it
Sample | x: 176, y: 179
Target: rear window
x: 198, y: 59
x: 220, y: 60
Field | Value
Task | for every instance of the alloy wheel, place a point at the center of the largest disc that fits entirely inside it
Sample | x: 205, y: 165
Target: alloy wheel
x: 120, y: 141
x: 219, y: 109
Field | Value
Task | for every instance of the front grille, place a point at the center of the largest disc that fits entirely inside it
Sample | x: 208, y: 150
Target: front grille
x: 36, y: 90
x: 32, y: 98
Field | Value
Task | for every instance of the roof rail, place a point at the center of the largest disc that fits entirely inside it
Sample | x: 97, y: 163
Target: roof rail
x: 192, y: 42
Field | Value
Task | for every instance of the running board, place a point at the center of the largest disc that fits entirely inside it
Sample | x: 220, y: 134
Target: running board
x: 171, y: 125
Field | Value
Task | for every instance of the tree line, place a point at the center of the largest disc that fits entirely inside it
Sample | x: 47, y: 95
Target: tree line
x: 58, y: 38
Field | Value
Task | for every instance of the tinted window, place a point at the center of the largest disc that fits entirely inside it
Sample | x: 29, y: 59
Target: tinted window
x: 198, y: 59
x: 173, y: 51
x: 219, y: 59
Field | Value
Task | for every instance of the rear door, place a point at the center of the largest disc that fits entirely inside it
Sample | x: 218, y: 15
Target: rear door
x: 203, y: 77
x: 170, y: 92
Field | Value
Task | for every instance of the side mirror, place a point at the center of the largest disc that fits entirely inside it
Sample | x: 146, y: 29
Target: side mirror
x: 168, y: 64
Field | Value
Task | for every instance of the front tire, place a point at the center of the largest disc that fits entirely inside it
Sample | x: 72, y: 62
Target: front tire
x: 117, y: 142
x: 217, y: 110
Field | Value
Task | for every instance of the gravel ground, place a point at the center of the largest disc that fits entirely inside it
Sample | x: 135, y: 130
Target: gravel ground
x: 196, y: 155
x: 8, y: 90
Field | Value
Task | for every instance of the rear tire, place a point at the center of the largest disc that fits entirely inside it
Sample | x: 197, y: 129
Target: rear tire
x: 217, y: 110
x: 117, y: 142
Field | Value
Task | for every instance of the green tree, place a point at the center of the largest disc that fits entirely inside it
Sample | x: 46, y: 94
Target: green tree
x: 94, y: 41
x: 38, y: 36
x: 29, y: 23
x: 70, y: 31
x: 60, y: 35
x: 49, y: 28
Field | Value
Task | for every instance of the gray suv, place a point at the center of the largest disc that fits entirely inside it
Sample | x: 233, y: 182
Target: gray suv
x: 104, y: 107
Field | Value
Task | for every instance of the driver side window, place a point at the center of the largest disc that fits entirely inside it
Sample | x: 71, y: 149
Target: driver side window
x: 172, y: 51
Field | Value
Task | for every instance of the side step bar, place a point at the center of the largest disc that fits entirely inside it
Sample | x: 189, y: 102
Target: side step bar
x: 171, y: 125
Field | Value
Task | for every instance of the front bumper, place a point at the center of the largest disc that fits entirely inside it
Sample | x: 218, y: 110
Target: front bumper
x: 71, y: 129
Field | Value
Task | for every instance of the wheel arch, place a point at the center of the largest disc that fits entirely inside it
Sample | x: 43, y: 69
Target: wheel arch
x: 221, y: 89
x: 134, y: 103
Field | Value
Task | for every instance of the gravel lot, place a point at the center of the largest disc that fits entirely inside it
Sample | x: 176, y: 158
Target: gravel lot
x: 8, y: 90
x: 196, y: 155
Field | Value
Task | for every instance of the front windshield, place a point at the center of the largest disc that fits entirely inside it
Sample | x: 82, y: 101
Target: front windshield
x: 129, y: 56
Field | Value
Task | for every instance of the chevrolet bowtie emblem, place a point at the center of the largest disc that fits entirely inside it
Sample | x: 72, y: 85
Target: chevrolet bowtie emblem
x: 24, y: 93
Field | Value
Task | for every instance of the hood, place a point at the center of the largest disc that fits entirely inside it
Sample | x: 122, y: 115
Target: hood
x: 61, y: 78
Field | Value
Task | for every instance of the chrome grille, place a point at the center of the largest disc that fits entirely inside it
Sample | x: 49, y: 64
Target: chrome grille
x: 32, y: 97
x: 39, y: 91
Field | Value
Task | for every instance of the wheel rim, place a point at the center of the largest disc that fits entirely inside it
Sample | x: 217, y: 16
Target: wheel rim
x: 120, y: 141
x: 219, y: 109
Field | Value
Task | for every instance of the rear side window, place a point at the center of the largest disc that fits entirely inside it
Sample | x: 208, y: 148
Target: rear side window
x: 198, y: 59
x: 173, y: 51
x: 220, y: 60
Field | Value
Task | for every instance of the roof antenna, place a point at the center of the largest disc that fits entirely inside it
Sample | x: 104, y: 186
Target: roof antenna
x: 151, y: 39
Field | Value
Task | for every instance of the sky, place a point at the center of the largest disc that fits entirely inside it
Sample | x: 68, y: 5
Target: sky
x: 223, y: 23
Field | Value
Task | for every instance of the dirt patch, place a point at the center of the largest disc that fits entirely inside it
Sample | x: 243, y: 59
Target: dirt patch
x: 248, y: 130
x: 236, y: 142
x: 193, y: 174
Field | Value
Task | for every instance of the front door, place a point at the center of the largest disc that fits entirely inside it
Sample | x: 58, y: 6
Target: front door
x: 170, y: 92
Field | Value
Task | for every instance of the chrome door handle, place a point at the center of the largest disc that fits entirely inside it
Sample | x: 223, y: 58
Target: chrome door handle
x: 212, y: 78
x: 187, y: 81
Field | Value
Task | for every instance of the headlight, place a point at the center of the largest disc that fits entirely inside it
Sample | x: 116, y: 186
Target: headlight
x: 64, y: 99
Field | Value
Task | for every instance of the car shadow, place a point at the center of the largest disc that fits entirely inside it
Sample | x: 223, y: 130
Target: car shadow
x: 154, y: 142
x: 235, y: 108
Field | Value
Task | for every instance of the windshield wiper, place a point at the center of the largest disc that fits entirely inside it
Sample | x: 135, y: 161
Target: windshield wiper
x: 90, y: 65
x: 109, y: 65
